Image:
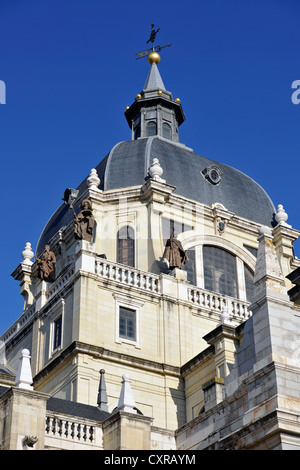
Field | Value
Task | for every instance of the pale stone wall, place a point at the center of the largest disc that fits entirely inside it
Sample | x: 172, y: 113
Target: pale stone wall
x: 22, y: 413
x: 171, y: 325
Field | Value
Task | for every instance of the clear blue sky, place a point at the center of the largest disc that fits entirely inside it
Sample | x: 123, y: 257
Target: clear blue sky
x: 70, y: 71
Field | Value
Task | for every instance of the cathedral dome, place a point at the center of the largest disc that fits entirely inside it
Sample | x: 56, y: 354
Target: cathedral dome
x: 154, y: 118
x: 195, y: 177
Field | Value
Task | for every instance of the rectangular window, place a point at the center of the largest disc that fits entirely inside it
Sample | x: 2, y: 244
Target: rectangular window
x: 127, y: 323
x: 57, y: 328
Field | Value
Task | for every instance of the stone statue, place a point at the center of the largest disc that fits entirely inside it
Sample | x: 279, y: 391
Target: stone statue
x: 46, y: 265
x: 84, y: 222
x: 174, y: 253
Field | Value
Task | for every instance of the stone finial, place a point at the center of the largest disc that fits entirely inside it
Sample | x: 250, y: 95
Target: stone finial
x: 126, y: 400
x: 281, y: 216
x: 93, y: 180
x: 155, y: 171
x: 224, y: 315
x: 24, y: 374
x: 264, y: 231
x: 102, y: 395
x: 27, y: 254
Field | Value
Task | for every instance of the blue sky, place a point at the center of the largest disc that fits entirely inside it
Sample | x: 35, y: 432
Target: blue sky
x: 69, y: 68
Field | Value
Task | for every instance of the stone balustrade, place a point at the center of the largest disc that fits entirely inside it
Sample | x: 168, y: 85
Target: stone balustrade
x: 136, y: 278
x: 237, y: 309
x: 127, y: 275
x: 68, y: 432
x: 22, y: 321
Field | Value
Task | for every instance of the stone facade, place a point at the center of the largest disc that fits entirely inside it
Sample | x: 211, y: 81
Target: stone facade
x: 212, y: 364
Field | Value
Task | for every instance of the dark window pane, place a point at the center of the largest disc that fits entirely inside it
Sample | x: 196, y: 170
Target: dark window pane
x: 127, y: 323
x: 151, y: 128
x: 220, y: 271
x: 189, y: 266
x: 57, y: 333
x: 252, y: 250
x: 166, y: 131
x: 249, y: 275
x: 169, y: 225
x: 125, y: 246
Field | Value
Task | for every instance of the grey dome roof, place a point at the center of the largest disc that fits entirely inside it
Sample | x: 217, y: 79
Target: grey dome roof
x: 127, y: 165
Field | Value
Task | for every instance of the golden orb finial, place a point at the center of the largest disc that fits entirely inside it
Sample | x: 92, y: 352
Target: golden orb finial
x: 177, y: 100
x: 153, y: 57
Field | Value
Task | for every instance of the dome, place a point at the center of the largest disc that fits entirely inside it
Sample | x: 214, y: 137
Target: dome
x: 195, y: 177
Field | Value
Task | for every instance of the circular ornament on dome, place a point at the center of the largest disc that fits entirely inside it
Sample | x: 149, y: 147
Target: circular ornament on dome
x: 213, y: 174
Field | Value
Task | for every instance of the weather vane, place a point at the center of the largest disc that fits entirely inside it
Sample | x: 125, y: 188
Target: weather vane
x: 153, y: 48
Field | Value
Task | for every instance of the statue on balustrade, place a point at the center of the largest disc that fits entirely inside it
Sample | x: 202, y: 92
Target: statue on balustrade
x: 174, y: 253
x: 85, y: 222
x: 46, y: 265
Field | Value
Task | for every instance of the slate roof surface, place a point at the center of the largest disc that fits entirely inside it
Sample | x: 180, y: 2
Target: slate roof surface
x: 154, y: 80
x: 127, y: 165
x: 3, y: 389
x: 80, y: 410
x: 73, y: 408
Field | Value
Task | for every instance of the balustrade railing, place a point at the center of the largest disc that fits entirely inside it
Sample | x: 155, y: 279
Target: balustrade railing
x: 236, y: 309
x: 127, y: 275
x: 18, y: 324
x: 60, y: 282
x: 64, y: 432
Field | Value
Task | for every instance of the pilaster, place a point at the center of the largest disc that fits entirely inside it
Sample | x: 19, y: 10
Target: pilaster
x: 283, y: 237
x: 127, y: 431
x: 23, y: 417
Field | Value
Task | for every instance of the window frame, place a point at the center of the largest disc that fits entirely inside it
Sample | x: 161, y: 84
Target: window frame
x: 243, y: 257
x: 57, y: 331
x: 57, y: 313
x: 166, y: 126
x: 133, y: 304
x: 121, y: 259
x: 124, y: 314
x: 153, y: 126
x: 223, y: 282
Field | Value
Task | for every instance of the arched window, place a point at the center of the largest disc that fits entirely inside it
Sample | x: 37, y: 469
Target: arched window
x: 189, y: 266
x: 125, y: 246
x: 166, y: 131
x: 220, y: 274
x: 151, y: 128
